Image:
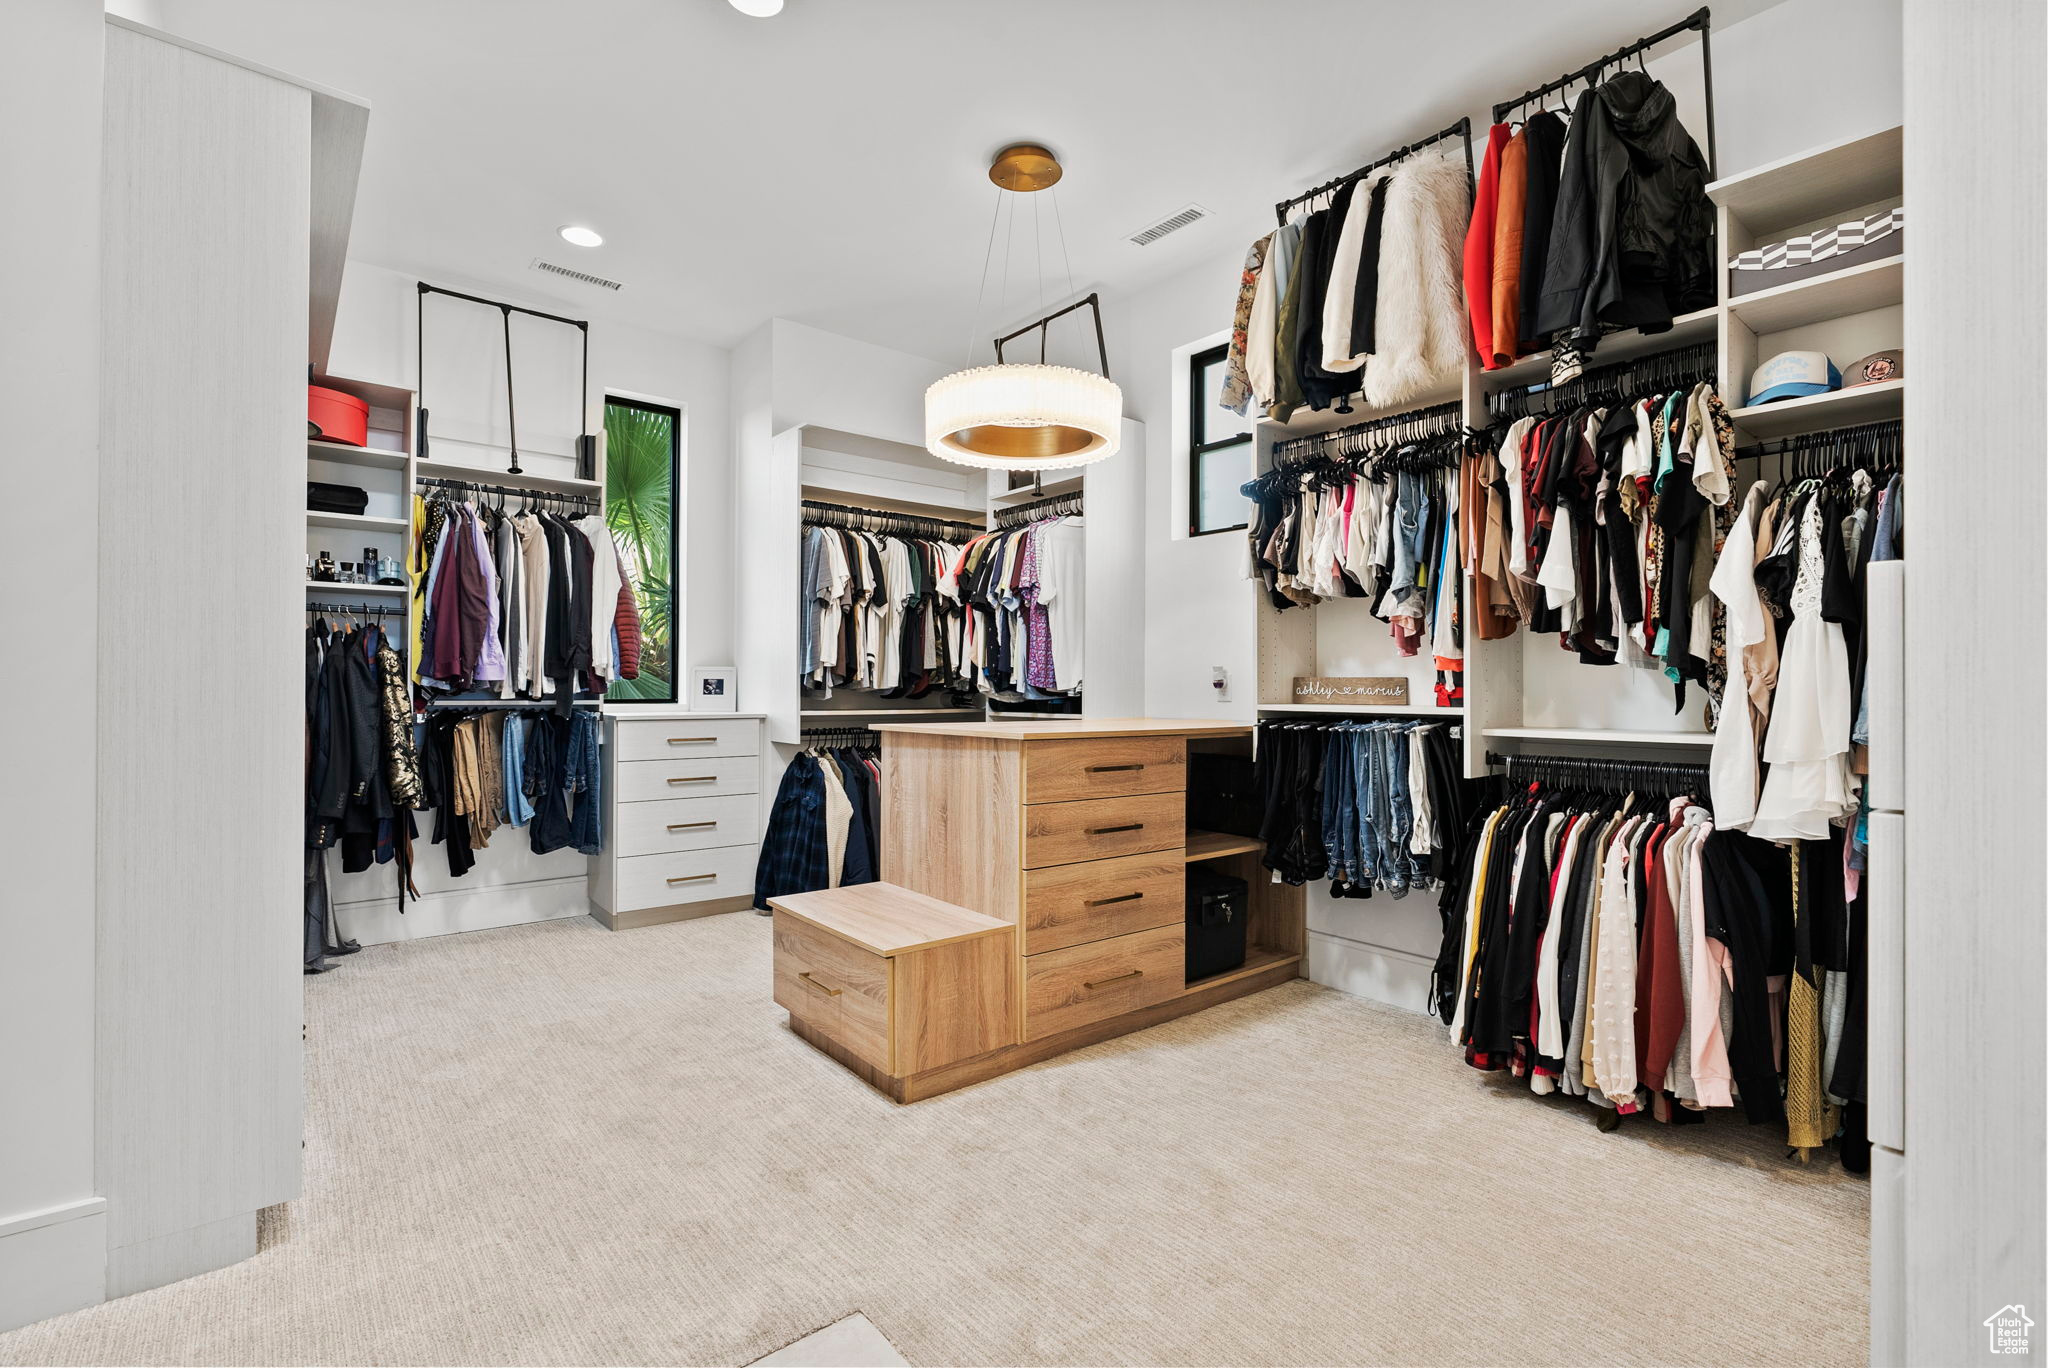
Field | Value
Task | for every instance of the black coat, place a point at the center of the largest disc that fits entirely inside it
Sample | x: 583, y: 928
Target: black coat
x: 1632, y: 236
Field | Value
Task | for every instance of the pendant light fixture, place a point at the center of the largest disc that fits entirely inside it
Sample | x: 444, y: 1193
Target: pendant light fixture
x: 1017, y: 415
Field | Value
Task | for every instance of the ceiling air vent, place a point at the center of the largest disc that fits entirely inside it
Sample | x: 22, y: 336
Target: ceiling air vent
x: 1172, y: 223
x: 586, y: 277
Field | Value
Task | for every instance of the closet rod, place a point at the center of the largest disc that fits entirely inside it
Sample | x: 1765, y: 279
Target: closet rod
x: 358, y: 609
x: 523, y: 491
x: 503, y: 704
x: 1462, y: 128
x: 908, y: 521
x: 1886, y: 429
x: 1052, y: 506
x: 1699, y: 19
x: 1616, y: 774
x: 1423, y: 420
x: 1092, y: 301
x: 860, y: 738
x: 1690, y: 364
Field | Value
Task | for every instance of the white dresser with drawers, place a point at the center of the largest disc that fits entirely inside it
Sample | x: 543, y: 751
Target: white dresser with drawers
x: 682, y: 815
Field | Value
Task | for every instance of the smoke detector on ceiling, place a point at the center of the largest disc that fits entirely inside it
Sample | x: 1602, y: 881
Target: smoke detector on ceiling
x: 1172, y: 223
x: 571, y: 273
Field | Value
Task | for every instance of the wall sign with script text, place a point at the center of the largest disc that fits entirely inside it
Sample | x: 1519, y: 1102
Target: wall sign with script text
x: 1365, y: 692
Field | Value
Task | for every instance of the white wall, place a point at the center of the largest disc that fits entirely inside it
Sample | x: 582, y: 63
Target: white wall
x: 52, y: 1232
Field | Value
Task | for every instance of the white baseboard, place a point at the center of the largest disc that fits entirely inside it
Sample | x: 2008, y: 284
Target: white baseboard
x: 53, y: 1261
x: 180, y: 1254
x: 482, y: 908
x: 1399, y: 978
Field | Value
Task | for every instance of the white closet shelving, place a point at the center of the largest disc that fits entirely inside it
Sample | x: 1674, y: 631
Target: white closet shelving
x: 383, y: 469
x: 1524, y: 692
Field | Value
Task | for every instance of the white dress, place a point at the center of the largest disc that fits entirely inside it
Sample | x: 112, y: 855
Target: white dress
x: 1809, y: 785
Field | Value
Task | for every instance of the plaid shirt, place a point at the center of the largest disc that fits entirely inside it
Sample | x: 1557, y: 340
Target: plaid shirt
x: 794, y: 856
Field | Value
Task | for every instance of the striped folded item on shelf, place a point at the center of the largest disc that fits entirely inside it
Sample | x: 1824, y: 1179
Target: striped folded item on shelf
x: 1824, y: 244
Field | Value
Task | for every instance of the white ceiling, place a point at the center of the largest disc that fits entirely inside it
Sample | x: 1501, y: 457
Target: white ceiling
x: 828, y: 165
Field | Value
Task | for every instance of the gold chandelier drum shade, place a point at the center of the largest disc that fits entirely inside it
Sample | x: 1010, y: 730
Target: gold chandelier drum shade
x: 1023, y: 417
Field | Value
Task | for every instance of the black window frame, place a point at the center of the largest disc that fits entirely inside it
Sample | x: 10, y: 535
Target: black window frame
x: 676, y: 666
x: 1198, y: 425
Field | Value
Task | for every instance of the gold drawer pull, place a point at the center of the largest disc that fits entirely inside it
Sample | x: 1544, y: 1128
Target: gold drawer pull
x: 697, y: 779
x: 805, y: 975
x: 1121, y: 897
x: 690, y: 740
x: 1127, y: 826
x: 1107, y: 769
x: 689, y: 826
x: 692, y: 878
x: 1117, y: 979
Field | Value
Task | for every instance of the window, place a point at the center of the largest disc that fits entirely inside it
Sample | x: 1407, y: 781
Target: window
x: 1219, y: 450
x: 643, y: 445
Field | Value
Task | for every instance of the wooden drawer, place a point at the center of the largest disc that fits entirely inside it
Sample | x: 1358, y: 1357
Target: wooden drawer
x: 1073, y: 904
x: 707, y: 777
x: 1061, y: 771
x: 1084, y: 984
x: 656, y: 738
x: 685, y: 824
x: 838, y: 988
x: 684, y: 877
x: 1098, y: 828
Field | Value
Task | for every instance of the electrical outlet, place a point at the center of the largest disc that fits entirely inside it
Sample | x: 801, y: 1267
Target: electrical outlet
x: 1219, y: 681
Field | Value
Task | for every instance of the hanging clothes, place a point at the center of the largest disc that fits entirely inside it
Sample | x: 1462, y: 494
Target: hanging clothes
x: 525, y: 605
x: 1367, y: 805
x: 824, y: 827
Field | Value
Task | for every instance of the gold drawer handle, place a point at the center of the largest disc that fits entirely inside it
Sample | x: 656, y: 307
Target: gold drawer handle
x: 1121, y: 897
x: 697, y: 779
x: 805, y: 975
x: 1135, y: 973
x: 1127, y: 826
x: 1108, y: 769
x: 692, y: 878
x: 690, y: 740
x: 689, y: 826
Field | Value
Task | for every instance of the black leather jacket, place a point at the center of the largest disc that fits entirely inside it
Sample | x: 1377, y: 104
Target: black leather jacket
x: 1632, y: 236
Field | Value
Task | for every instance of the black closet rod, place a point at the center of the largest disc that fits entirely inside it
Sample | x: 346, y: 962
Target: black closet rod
x: 1570, y: 768
x: 1889, y: 428
x: 359, y: 609
x: 586, y: 445
x: 1462, y: 128
x: 1699, y: 19
x: 523, y: 491
x: 503, y: 704
x: 1053, y: 505
x: 920, y: 519
x: 1315, y: 441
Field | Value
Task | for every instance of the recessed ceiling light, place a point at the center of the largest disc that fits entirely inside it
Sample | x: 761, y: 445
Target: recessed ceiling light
x: 759, y: 9
x: 581, y: 236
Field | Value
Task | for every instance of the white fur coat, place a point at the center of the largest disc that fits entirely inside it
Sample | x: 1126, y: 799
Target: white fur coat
x: 1419, y: 331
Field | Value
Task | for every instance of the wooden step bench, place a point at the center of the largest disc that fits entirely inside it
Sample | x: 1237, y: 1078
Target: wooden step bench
x: 892, y: 983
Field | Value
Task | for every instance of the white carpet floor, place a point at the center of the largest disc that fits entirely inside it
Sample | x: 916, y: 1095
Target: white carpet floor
x: 558, y: 1144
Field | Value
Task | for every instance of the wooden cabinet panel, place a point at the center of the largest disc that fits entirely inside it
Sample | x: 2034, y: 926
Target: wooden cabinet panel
x: 686, y: 738
x: 1062, y: 771
x: 1073, y: 904
x: 838, y: 988
x: 683, y: 877
x: 1084, y: 984
x: 684, y: 824
x: 1099, y: 828
x: 643, y: 780
x: 954, y: 1002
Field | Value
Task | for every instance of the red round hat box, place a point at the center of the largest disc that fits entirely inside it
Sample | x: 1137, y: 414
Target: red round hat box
x: 336, y: 417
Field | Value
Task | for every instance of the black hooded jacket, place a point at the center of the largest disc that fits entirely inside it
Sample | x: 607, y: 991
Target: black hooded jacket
x: 1632, y: 236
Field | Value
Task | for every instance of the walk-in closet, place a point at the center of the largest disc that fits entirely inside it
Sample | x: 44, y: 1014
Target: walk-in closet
x: 1262, y: 670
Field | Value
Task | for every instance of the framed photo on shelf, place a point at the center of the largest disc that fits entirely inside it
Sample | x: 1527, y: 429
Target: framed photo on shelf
x: 715, y: 689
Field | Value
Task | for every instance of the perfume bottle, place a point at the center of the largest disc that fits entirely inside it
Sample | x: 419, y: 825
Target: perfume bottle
x: 323, y: 567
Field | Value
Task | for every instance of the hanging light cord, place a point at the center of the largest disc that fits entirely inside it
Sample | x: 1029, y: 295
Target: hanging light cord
x: 988, y: 252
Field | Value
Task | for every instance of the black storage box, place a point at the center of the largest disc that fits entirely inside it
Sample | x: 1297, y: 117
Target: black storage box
x: 1223, y: 794
x: 1218, y: 907
x: 334, y: 498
